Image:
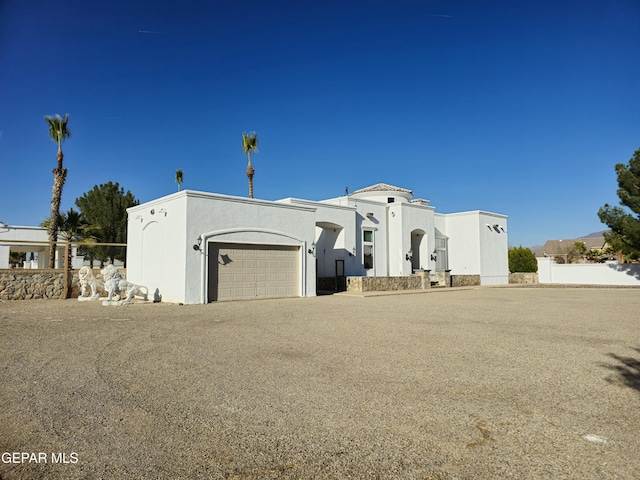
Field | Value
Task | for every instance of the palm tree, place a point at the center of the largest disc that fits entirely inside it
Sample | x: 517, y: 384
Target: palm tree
x: 179, y: 177
x: 72, y: 227
x: 58, y: 132
x: 250, y: 144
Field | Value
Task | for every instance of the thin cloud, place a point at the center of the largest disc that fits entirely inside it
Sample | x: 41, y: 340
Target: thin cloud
x: 148, y: 31
x: 440, y: 15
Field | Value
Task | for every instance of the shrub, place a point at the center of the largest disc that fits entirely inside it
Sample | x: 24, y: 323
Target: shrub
x: 522, y: 259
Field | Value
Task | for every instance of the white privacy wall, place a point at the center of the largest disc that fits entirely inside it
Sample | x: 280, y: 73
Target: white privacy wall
x: 611, y: 273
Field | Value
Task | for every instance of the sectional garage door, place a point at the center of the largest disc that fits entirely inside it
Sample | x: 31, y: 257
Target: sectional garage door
x: 241, y: 272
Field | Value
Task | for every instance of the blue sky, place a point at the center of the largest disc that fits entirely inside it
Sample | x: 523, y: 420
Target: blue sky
x: 515, y: 107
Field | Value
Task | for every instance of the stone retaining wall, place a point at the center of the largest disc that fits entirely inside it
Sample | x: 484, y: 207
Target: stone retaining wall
x: 465, y: 280
x: 522, y: 278
x: 19, y: 284
x: 420, y: 281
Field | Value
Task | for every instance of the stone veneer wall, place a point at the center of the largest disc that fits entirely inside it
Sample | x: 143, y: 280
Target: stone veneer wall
x: 521, y: 278
x: 465, y: 280
x: 28, y: 284
x: 419, y: 281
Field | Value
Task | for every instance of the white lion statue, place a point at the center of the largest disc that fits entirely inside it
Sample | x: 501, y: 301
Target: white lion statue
x: 131, y: 290
x: 89, y: 282
x: 111, y: 277
x: 117, y: 287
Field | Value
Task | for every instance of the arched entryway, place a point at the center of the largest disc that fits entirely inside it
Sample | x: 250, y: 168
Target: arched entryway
x: 419, y: 249
x: 330, y: 254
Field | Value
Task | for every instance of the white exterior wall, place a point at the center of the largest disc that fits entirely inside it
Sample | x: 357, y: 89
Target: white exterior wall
x: 475, y: 247
x: 405, y: 219
x: 611, y: 273
x: 377, y: 223
x: 462, y: 230
x: 170, y: 264
x: 335, y: 236
x: 494, y: 249
x: 157, y: 245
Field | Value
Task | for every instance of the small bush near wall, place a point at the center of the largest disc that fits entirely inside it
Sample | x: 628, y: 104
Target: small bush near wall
x: 522, y: 259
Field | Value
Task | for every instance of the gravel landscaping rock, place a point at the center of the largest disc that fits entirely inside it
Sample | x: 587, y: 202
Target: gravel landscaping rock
x: 475, y: 383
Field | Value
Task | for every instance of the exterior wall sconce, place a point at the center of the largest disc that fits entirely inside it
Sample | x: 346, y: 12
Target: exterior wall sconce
x: 139, y: 217
x: 163, y: 210
x: 153, y: 211
x: 369, y: 214
x: 352, y: 253
x: 196, y: 246
x: 312, y: 250
x: 409, y: 255
x: 434, y: 256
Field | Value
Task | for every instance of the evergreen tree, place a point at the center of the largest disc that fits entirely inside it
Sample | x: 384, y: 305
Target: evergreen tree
x: 522, y: 259
x: 105, y: 208
x: 624, y: 236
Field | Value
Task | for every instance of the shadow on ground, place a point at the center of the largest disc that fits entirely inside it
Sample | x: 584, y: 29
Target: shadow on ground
x: 627, y: 370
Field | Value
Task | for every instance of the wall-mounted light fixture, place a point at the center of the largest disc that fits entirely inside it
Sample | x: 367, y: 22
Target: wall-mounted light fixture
x: 369, y: 214
x: 409, y: 255
x: 163, y: 210
x: 139, y: 217
x: 312, y: 250
x: 196, y: 246
x: 352, y: 253
x: 153, y: 211
x: 434, y: 255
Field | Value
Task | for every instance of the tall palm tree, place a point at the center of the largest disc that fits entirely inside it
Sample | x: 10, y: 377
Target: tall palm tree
x: 72, y: 227
x: 179, y: 177
x: 250, y: 145
x: 59, y: 132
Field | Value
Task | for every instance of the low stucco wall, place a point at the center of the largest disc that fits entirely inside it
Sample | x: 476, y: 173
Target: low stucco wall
x: 30, y: 284
x: 522, y: 278
x: 621, y: 274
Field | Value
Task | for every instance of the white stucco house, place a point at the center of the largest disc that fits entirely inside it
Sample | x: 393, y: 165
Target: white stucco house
x: 196, y: 247
x: 34, y: 241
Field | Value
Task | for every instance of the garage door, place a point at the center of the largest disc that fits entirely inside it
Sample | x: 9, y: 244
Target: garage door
x: 241, y: 272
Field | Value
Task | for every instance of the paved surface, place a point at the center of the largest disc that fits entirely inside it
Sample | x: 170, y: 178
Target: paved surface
x: 468, y: 384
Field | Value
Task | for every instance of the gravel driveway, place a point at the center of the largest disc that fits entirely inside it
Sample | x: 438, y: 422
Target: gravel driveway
x: 476, y: 383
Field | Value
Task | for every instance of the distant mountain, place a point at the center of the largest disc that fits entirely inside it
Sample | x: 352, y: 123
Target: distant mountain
x: 536, y: 248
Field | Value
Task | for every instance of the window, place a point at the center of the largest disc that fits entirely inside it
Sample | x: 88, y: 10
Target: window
x: 391, y: 199
x: 367, y: 248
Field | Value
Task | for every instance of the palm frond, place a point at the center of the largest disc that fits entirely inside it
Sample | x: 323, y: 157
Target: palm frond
x: 58, y: 129
x: 250, y: 142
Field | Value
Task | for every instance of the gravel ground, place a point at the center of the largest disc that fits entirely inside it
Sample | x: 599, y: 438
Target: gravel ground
x: 467, y: 384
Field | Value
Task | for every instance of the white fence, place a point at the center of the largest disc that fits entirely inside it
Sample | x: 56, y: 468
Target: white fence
x: 611, y: 273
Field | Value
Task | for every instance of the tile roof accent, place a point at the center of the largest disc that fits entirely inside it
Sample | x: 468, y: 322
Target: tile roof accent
x: 382, y: 187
